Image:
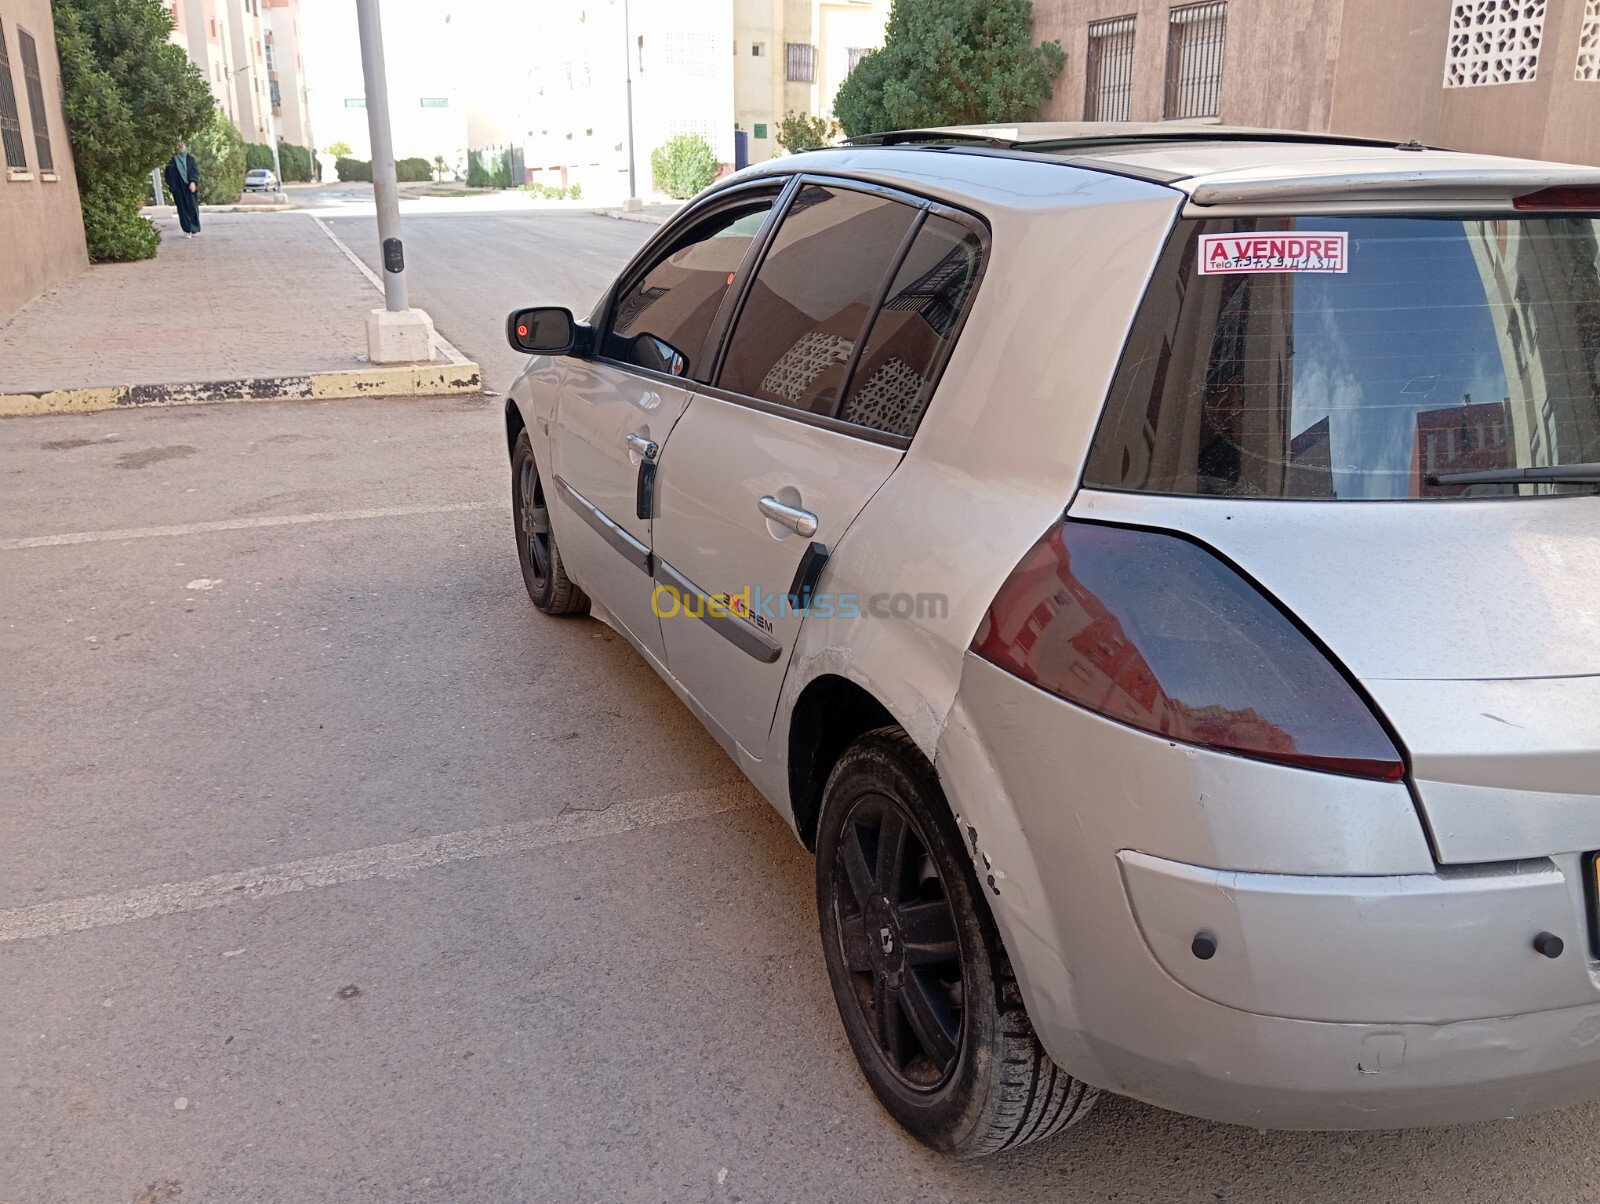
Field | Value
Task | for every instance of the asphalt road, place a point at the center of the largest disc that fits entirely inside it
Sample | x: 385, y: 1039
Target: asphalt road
x: 332, y: 871
x: 469, y: 266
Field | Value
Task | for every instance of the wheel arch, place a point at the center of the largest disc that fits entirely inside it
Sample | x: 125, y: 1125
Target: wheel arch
x: 515, y: 425
x: 830, y: 713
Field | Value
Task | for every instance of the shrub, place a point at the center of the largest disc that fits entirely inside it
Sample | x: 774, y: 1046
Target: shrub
x: 295, y: 161
x: 412, y: 170
x: 553, y: 192
x: 219, y: 151
x: 130, y: 96
x: 358, y: 170
x: 802, y: 131
x: 683, y: 165
x: 488, y: 169
x: 257, y: 155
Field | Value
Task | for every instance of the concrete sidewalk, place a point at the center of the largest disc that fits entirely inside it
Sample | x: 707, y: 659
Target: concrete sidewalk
x: 259, y: 305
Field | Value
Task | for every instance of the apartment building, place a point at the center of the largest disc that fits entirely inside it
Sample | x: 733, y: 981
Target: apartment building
x: 570, y: 108
x: 1515, y: 77
x: 791, y: 56
x: 286, y: 70
x: 41, y: 225
x: 225, y: 41
x: 726, y: 69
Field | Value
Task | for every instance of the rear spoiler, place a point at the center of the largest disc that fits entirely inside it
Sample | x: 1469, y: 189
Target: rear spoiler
x: 1489, y: 185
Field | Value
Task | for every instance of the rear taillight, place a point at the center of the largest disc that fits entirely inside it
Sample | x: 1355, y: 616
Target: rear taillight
x: 1562, y: 196
x: 1154, y: 631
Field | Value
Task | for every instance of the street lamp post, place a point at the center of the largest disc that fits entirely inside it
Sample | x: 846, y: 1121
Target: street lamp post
x: 397, y: 333
x: 627, y: 40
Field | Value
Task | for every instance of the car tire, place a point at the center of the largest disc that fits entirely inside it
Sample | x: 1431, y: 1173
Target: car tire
x: 548, y: 585
x: 924, y: 988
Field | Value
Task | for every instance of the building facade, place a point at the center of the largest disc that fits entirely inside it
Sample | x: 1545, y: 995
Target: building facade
x: 226, y: 41
x: 792, y: 55
x: 41, y: 224
x: 286, y: 71
x: 1514, y: 77
x: 726, y: 69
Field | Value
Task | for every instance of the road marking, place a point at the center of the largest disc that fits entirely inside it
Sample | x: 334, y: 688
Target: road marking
x: 381, y: 861
x: 237, y: 524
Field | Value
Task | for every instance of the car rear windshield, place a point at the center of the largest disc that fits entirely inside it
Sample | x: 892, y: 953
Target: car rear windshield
x: 1359, y: 358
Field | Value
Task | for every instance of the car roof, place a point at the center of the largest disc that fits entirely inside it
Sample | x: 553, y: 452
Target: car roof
x: 1220, y: 165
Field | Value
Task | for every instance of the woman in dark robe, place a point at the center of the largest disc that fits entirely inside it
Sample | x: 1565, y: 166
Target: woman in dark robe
x: 183, y: 181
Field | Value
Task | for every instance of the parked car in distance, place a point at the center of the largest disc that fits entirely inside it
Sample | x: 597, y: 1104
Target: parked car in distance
x: 1154, y: 570
x: 259, y: 179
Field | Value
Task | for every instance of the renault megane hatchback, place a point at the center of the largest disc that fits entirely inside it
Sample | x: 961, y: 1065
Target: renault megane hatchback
x: 1157, y: 571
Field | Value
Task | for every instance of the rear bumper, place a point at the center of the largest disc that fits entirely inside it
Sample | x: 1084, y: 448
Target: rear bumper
x: 1353, y: 986
x: 1292, y: 1074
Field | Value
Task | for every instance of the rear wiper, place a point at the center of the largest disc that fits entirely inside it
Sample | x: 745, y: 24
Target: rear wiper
x: 1557, y: 474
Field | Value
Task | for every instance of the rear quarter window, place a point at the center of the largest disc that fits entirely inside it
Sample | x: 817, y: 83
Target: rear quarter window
x: 1447, y: 345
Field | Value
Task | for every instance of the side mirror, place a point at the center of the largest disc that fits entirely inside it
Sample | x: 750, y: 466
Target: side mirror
x: 546, y: 330
x: 658, y: 355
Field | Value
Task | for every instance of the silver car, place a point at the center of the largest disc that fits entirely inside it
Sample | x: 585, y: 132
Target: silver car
x: 1157, y: 571
x: 259, y: 179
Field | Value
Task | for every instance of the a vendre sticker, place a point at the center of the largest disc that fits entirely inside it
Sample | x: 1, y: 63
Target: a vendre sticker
x: 1221, y: 254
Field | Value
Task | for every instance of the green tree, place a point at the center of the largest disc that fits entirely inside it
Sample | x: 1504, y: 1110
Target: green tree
x: 438, y: 167
x: 683, y: 165
x: 950, y: 62
x: 339, y: 150
x: 219, y: 152
x: 802, y: 131
x: 131, y: 96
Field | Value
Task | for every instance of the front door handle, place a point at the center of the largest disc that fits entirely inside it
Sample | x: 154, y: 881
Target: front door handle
x: 645, y: 448
x: 802, y: 522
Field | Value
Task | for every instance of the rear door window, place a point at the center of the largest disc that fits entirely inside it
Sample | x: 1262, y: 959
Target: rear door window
x: 808, y: 305
x: 910, y: 334
x: 1444, y: 347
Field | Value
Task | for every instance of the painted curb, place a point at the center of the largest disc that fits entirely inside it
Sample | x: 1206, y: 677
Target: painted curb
x: 406, y: 380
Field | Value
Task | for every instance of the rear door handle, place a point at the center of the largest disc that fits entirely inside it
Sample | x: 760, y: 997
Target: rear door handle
x: 645, y: 448
x: 802, y: 522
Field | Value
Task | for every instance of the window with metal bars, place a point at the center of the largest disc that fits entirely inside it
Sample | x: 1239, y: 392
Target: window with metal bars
x: 854, y: 55
x: 1108, y: 92
x: 35, y: 86
x: 802, y: 63
x: 10, y: 119
x: 1195, y: 39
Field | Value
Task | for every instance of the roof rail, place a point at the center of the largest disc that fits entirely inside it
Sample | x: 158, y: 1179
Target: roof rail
x: 1087, y: 142
x: 931, y: 138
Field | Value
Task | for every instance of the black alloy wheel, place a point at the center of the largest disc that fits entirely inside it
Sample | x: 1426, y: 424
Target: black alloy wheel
x: 927, y: 996
x: 548, y: 585
x: 533, y: 520
x: 898, y: 938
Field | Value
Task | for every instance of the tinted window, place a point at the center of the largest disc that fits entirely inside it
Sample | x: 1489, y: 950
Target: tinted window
x: 809, y: 301
x: 894, y: 376
x: 1446, y: 346
x: 675, y: 302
